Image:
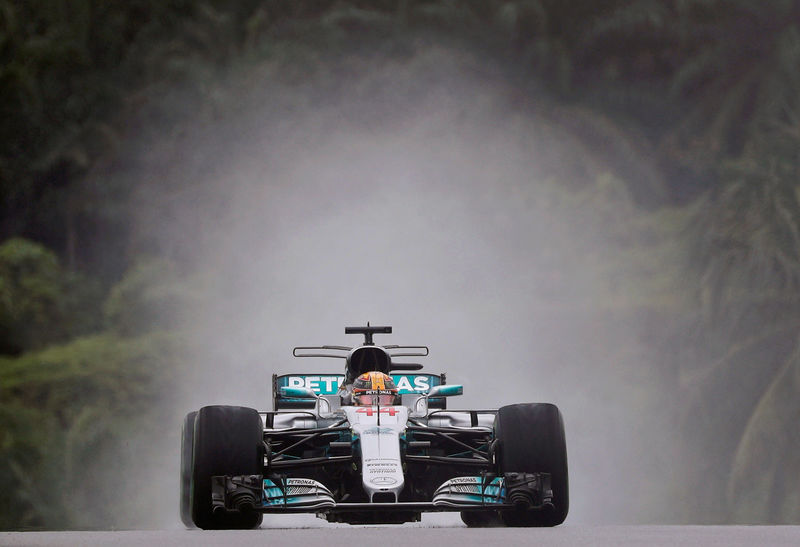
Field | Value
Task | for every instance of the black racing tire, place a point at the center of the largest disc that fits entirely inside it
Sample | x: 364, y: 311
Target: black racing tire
x: 531, y: 439
x: 187, y: 442
x: 481, y: 519
x: 228, y: 440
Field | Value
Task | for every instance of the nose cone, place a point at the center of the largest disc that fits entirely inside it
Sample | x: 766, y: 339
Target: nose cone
x: 381, y: 466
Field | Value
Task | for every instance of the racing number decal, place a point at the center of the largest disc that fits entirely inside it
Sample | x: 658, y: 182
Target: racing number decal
x: 369, y: 411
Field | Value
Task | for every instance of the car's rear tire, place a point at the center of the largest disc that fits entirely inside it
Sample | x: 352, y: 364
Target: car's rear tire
x: 187, y: 442
x: 481, y: 519
x: 531, y: 440
x: 228, y: 440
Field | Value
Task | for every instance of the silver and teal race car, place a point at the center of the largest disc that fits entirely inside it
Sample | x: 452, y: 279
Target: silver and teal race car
x: 321, y: 452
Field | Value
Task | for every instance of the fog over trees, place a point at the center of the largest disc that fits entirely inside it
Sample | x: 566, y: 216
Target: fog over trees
x: 595, y: 204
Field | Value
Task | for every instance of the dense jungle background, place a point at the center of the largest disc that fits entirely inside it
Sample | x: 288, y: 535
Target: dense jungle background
x: 633, y: 163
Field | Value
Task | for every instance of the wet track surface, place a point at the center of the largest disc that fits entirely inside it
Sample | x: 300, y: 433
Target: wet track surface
x: 387, y: 536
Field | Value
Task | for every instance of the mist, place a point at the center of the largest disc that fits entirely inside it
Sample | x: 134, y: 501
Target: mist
x: 424, y: 195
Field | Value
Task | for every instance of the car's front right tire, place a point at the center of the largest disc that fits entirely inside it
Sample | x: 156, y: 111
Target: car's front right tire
x: 228, y: 440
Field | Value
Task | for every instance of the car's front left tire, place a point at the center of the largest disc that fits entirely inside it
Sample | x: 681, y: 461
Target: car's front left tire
x: 531, y: 439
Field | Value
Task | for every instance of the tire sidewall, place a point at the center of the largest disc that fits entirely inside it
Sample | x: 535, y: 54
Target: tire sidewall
x: 187, y: 451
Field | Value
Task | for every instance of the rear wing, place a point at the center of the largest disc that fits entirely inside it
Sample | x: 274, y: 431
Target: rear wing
x: 328, y: 384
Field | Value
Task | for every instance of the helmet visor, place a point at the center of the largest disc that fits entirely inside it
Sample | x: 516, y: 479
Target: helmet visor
x: 383, y: 399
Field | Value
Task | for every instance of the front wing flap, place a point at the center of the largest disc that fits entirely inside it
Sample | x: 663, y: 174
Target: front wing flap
x: 470, y: 491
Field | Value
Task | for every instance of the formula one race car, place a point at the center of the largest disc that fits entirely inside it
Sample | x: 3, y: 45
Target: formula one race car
x: 376, y: 445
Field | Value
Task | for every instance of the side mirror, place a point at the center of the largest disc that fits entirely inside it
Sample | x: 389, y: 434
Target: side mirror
x: 298, y: 393
x: 447, y: 390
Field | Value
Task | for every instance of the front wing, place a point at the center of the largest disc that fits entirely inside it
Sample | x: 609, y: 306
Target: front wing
x: 300, y: 495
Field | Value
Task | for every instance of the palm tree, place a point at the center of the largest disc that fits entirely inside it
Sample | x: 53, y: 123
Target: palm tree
x: 739, y: 64
x: 746, y: 401
x: 728, y: 65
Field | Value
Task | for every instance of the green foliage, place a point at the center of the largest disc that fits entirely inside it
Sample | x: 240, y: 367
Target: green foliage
x: 67, y: 414
x: 152, y: 296
x: 40, y: 303
x: 749, y: 248
x: 739, y: 67
x: 727, y: 65
x: 24, y: 433
x: 768, y: 452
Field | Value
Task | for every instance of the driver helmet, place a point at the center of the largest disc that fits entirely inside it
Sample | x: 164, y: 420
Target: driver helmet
x: 374, y: 388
